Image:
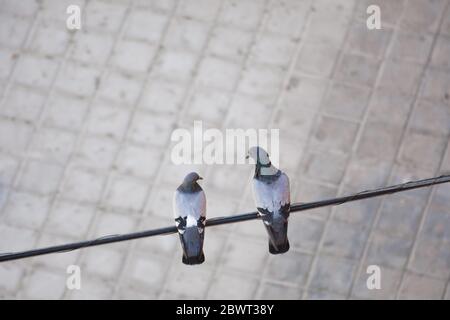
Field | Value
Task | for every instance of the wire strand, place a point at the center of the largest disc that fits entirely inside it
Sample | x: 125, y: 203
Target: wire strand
x: 296, y: 207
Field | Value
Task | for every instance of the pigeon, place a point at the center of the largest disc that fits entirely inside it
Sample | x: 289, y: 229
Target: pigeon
x: 189, y: 206
x: 272, y: 197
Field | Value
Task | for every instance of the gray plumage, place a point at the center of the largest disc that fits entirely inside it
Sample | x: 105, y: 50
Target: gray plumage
x: 271, y: 192
x: 189, y: 206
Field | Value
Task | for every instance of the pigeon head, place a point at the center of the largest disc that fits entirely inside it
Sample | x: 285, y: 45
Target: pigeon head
x: 260, y: 156
x: 192, y: 178
x: 190, y: 183
x: 263, y: 169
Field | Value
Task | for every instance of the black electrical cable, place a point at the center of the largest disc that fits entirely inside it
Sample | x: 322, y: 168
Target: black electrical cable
x: 226, y: 220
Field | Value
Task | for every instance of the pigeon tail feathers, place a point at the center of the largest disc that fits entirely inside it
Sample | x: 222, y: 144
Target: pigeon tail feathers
x: 278, y: 237
x: 194, y: 260
x: 280, y: 248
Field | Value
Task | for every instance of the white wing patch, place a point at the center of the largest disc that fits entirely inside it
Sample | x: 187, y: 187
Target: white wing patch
x: 272, y: 196
x: 189, y: 205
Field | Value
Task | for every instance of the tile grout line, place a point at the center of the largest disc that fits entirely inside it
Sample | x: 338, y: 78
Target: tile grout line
x: 37, y: 126
x: 25, y: 159
x: 9, y: 83
x: 141, y: 211
x: 409, y: 117
x: 182, y: 110
x: 420, y: 227
x: 352, y: 152
x: 329, y: 85
x: 233, y: 93
x: 439, y: 168
x: 278, y: 106
x: 22, y: 47
x: 398, y: 153
x: 110, y: 172
x: 81, y: 135
x: 160, y: 170
x: 375, y: 219
x: 257, y: 33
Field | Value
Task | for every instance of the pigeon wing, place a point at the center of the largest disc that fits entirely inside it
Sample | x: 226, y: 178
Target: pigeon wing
x: 284, y: 195
x: 283, y: 190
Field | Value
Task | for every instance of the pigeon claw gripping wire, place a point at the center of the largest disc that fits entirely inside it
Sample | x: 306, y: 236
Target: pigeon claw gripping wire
x: 271, y: 192
x: 189, y: 207
x: 294, y: 207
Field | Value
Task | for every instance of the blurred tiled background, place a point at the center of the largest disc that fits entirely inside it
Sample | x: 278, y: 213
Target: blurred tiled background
x: 86, y: 118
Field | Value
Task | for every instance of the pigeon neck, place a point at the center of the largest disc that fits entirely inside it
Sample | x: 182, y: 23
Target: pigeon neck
x: 189, y: 187
x: 270, y: 171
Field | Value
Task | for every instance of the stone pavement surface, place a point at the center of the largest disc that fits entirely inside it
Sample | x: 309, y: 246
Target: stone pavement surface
x: 86, y: 118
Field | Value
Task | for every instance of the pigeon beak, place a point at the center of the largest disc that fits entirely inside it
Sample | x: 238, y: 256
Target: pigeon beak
x: 200, y: 178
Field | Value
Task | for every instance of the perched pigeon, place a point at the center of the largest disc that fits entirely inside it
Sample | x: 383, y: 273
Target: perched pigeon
x: 272, y: 197
x: 189, y: 206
